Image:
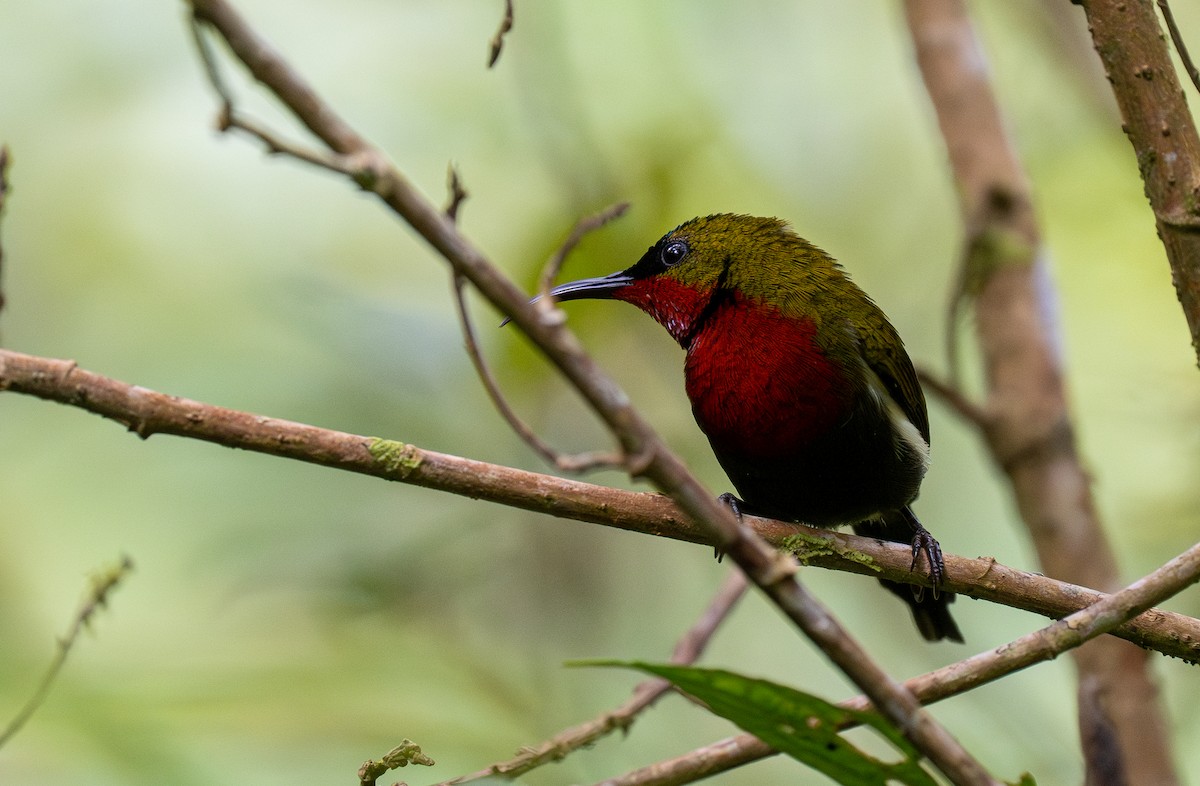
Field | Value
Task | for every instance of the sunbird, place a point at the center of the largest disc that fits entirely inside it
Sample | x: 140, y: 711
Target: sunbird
x: 801, y: 384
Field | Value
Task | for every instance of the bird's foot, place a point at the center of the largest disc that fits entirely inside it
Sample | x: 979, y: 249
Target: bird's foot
x: 924, y: 543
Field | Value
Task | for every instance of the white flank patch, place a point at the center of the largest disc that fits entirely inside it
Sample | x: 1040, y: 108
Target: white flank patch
x: 902, y: 427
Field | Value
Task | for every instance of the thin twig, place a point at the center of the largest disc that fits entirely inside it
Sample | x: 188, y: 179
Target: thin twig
x: 955, y: 398
x: 957, y: 678
x: 209, y: 60
x: 579, y: 462
x: 1177, y: 38
x: 568, y: 463
x: 102, y: 585
x: 582, y: 228
x: 229, y: 118
x: 689, y: 648
x: 497, y: 42
x: 146, y: 412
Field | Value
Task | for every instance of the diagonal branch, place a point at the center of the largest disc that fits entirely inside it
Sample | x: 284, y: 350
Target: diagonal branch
x: 1173, y: 577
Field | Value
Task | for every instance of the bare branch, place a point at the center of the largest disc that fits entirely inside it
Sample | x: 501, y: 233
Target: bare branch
x: 567, y: 463
x: 146, y: 412
x: 1163, y: 133
x: 581, y: 228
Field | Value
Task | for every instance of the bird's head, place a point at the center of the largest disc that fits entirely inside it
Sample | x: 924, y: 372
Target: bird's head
x: 711, y: 260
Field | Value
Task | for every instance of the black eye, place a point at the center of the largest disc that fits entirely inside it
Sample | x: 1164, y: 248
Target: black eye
x: 674, y: 252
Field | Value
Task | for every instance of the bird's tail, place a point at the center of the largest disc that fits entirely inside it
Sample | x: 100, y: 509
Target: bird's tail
x: 930, y: 609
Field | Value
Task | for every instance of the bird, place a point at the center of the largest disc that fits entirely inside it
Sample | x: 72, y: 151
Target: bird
x: 803, y: 387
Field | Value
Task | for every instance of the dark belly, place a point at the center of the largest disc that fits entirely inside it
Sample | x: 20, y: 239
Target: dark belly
x: 801, y: 436
x: 851, y: 473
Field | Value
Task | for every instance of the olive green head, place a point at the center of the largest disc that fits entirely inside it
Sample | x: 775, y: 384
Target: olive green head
x: 761, y: 259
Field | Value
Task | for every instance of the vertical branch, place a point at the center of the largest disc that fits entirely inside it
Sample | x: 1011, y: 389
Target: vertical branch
x: 1027, y: 425
x: 1134, y: 51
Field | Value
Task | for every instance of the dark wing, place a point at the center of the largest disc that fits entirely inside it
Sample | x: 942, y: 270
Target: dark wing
x: 884, y: 352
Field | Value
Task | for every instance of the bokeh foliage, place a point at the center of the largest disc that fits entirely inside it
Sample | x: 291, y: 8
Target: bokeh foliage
x: 285, y: 622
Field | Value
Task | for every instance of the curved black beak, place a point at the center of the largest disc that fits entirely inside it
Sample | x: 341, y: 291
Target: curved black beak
x: 592, y: 288
x: 601, y: 288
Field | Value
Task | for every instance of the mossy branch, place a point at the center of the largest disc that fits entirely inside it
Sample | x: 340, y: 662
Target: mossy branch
x: 146, y: 412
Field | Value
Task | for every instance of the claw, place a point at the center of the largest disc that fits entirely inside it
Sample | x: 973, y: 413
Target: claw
x: 734, y: 504
x: 924, y: 543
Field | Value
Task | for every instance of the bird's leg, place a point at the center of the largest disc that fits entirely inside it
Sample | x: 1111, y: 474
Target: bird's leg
x: 735, y: 504
x: 924, y: 543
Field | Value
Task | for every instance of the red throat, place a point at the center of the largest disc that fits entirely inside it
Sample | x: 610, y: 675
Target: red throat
x: 760, y: 385
x: 673, y: 305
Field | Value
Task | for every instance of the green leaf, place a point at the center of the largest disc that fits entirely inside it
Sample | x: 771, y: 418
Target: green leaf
x: 801, y: 725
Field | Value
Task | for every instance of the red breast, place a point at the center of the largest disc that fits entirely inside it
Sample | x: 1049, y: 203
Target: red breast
x: 760, y: 385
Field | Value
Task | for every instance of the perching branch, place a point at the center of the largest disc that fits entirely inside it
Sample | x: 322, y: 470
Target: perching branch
x: 146, y: 412
x: 771, y: 571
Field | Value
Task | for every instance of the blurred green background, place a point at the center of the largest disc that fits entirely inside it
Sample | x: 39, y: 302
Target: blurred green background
x: 287, y: 622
